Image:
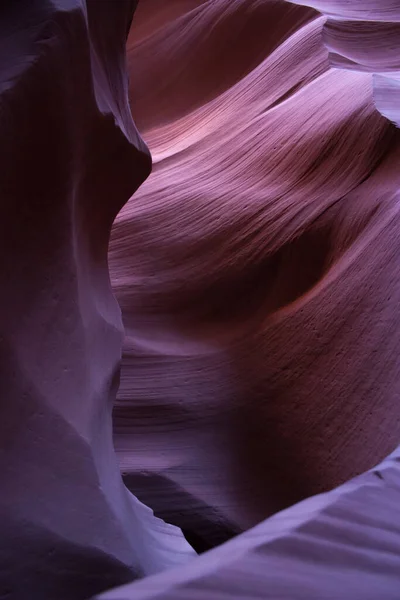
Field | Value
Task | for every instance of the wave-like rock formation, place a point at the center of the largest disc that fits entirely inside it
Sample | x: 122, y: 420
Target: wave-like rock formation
x: 343, y: 544
x: 257, y: 271
x: 365, y: 36
x: 257, y: 268
x: 70, y: 157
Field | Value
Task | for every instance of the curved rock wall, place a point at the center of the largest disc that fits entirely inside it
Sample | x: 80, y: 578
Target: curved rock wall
x: 365, y: 36
x: 257, y: 268
x: 71, y: 156
x: 341, y: 544
x: 257, y: 271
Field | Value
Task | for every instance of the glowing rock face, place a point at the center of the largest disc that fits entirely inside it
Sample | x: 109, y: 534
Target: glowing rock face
x: 256, y: 268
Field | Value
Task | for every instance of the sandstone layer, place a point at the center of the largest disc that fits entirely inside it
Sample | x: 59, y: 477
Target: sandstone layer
x: 70, y: 158
x: 258, y: 267
x: 342, y: 544
x: 257, y: 272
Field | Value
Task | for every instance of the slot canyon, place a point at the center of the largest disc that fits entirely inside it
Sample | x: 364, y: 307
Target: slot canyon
x: 200, y: 289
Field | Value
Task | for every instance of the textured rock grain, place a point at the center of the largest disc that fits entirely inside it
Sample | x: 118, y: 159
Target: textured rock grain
x: 257, y: 268
x: 365, y: 36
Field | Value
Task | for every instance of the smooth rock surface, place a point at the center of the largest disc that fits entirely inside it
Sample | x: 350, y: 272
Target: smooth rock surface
x: 258, y: 273
x: 343, y: 544
x: 70, y: 157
